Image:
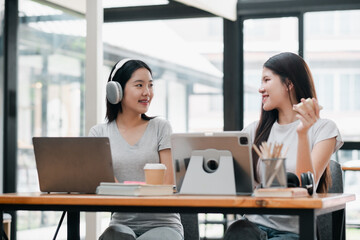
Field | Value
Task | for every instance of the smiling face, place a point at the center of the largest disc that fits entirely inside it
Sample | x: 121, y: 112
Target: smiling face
x: 274, y: 92
x: 138, y: 92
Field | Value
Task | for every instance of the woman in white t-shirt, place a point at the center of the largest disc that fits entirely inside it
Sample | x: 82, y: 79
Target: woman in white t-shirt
x: 287, y: 81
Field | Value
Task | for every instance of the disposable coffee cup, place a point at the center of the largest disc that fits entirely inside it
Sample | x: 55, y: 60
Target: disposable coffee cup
x: 273, y: 173
x: 154, y: 173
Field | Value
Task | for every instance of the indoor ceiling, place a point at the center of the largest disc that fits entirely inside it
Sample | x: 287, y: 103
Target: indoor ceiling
x: 225, y: 9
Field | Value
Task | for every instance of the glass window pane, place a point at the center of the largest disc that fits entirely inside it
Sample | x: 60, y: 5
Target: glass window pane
x: 324, y: 85
x: 334, y: 59
x: 186, y: 57
x: 262, y: 39
x: 355, y: 93
x: 344, y: 89
x: 50, y: 95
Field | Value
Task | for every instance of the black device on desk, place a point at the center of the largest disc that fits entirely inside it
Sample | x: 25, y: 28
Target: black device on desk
x: 72, y: 164
x: 186, y: 146
x: 307, y: 181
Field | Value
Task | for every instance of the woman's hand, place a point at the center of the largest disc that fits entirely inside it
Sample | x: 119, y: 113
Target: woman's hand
x: 308, y: 111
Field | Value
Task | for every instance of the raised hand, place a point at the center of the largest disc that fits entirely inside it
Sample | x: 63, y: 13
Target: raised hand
x: 308, y: 111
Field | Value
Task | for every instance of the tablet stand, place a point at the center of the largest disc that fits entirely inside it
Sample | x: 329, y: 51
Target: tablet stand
x: 211, y: 172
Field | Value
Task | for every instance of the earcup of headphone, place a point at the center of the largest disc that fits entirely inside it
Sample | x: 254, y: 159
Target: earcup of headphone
x: 307, y: 181
x: 114, y: 92
x: 292, y: 180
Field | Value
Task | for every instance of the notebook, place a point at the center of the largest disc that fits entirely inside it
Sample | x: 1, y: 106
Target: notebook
x: 72, y: 164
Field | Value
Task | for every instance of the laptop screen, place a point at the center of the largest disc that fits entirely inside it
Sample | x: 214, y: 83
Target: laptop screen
x: 72, y: 164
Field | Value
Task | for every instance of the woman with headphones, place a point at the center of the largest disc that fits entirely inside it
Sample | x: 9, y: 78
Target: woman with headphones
x: 289, y: 115
x: 135, y: 140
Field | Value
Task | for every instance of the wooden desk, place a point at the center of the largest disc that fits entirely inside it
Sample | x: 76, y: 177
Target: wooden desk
x: 306, y: 208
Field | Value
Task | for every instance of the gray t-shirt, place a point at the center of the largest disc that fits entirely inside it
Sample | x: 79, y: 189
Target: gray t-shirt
x: 323, y: 129
x: 129, y: 161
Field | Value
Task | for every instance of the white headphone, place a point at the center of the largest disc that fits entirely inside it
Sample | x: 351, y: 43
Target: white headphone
x: 114, y: 92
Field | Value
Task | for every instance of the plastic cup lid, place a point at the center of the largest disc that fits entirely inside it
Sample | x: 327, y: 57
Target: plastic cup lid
x: 155, y: 166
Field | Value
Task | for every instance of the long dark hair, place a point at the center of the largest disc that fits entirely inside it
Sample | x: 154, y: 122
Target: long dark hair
x: 290, y: 68
x: 122, y: 76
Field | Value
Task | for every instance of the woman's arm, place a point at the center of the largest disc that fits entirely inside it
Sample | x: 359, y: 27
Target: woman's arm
x: 316, y: 160
x: 308, y: 116
x: 165, y: 158
x: 321, y: 155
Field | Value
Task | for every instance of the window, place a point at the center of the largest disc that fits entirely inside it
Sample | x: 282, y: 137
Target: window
x: 334, y: 59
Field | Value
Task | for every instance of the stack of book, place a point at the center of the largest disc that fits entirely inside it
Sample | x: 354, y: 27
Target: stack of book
x: 110, y: 188
x: 281, y: 192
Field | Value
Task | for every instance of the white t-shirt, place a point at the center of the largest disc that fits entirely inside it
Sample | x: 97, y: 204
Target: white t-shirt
x: 323, y: 129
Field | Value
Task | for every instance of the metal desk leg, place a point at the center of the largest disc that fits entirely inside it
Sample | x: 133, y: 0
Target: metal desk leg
x: 338, y: 224
x: 307, y: 224
x: 73, y: 225
x: 2, y: 226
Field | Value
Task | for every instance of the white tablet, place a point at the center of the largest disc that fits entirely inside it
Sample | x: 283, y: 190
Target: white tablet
x: 238, y: 143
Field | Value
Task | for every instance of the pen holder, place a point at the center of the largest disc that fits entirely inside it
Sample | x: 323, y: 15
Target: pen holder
x: 273, y: 172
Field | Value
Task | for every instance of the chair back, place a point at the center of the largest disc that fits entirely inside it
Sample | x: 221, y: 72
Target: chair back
x: 324, y: 222
x: 190, y: 223
x: 337, y: 185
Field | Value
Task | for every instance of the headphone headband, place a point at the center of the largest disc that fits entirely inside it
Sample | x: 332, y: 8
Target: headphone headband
x: 118, y: 66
